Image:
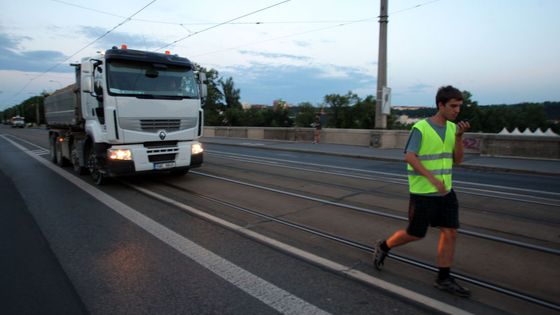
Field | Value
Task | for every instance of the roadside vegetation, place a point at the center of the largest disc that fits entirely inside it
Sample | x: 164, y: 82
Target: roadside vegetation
x: 223, y: 107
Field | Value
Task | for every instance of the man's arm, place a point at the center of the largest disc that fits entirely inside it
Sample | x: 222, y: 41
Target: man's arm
x: 412, y: 159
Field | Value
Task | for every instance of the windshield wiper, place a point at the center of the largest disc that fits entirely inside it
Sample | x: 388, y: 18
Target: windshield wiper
x: 160, y: 97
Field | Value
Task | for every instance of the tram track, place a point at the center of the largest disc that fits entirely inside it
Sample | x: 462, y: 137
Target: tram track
x: 348, y: 242
x: 527, y: 216
x: 476, y: 189
x: 526, y: 245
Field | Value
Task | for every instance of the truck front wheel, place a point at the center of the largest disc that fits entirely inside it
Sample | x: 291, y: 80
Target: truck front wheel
x: 93, y: 167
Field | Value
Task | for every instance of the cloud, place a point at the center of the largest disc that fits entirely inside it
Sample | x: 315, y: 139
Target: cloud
x: 302, y: 43
x: 263, y: 83
x: 419, y: 88
x: 273, y: 55
x: 11, y: 58
x: 117, y: 38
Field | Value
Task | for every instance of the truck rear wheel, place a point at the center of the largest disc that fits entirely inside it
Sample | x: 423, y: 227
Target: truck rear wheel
x: 78, y: 169
x: 60, y: 160
x: 52, y: 146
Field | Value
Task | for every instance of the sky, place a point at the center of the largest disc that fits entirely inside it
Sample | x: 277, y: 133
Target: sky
x: 501, y: 51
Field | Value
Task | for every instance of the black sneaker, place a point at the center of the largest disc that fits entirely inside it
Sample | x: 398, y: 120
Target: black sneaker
x: 452, y: 287
x: 378, y: 256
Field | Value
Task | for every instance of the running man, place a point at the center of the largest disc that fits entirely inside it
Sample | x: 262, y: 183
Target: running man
x: 434, y: 145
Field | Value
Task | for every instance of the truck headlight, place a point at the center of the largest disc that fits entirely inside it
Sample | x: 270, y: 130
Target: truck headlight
x: 119, y: 154
x: 196, y: 148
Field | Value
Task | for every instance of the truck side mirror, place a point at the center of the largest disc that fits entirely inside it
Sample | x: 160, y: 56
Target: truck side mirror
x: 202, y: 83
x: 87, y: 84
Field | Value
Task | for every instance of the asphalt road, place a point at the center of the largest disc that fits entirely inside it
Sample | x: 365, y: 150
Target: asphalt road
x: 113, y: 249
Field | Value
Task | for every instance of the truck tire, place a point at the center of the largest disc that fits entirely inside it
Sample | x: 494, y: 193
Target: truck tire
x: 60, y: 160
x: 97, y: 176
x: 52, y: 149
x: 80, y: 170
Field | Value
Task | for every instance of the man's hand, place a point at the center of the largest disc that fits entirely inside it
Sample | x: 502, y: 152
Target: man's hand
x: 462, y: 126
x: 439, y: 185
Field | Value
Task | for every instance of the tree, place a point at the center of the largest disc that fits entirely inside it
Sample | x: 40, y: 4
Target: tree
x: 306, y: 115
x: 470, y: 112
x: 213, y: 106
x: 230, y: 93
x: 340, y: 109
x: 364, y: 113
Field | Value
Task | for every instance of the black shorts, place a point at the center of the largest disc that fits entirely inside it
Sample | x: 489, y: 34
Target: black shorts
x: 436, y: 211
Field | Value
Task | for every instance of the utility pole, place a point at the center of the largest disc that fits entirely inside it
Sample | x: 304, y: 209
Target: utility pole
x: 380, y: 118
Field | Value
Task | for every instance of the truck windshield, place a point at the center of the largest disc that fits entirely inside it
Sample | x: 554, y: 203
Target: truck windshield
x: 152, y: 80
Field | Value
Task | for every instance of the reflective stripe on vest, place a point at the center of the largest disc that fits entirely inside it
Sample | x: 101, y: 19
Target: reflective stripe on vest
x: 435, y: 155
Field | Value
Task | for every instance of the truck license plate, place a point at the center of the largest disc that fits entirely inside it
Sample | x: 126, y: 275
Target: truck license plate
x: 163, y: 166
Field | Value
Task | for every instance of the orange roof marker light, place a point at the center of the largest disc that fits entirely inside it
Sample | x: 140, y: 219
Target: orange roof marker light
x: 167, y: 52
x: 123, y: 46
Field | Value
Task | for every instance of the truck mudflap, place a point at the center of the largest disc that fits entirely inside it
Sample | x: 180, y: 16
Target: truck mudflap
x: 196, y: 160
x: 117, y: 168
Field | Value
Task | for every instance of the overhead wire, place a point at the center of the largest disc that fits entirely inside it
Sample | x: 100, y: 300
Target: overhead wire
x: 231, y: 21
x: 346, y: 23
x: 197, y: 23
x: 223, y: 23
x: 81, y: 49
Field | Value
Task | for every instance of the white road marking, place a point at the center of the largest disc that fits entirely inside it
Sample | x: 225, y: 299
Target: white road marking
x: 269, y: 294
x: 329, y: 264
x: 273, y: 296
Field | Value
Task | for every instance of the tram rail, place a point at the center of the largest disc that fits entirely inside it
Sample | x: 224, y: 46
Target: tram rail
x: 357, y: 245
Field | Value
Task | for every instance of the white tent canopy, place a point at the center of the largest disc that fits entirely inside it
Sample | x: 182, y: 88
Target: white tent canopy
x: 528, y: 132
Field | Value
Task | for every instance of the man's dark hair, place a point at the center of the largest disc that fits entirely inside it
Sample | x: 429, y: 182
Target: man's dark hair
x: 447, y: 93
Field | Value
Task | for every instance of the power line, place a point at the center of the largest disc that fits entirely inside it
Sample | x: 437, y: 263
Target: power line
x: 81, y: 49
x: 237, y: 23
x: 413, y: 7
x: 130, y: 18
x: 198, y: 23
x: 345, y: 23
x: 286, y: 36
x: 220, y: 24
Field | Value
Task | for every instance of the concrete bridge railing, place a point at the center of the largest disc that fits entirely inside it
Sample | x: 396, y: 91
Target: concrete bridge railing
x: 539, y: 147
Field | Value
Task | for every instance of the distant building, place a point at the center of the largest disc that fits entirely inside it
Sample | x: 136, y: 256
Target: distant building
x: 259, y: 106
x: 408, y: 107
x: 405, y: 120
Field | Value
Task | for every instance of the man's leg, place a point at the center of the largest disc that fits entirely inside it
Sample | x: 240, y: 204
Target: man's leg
x: 446, y: 251
x: 446, y: 247
x: 400, y: 238
x: 417, y: 228
x: 382, y: 248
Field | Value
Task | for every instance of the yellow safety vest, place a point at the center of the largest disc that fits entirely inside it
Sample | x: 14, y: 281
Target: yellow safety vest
x: 436, y: 156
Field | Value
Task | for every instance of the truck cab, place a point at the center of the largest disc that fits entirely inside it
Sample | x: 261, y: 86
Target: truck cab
x: 138, y: 112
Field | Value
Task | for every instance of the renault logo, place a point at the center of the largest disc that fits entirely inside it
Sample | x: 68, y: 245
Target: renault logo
x: 162, y: 135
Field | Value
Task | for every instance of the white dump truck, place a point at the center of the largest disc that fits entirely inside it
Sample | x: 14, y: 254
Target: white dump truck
x: 129, y: 112
x: 17, y: 122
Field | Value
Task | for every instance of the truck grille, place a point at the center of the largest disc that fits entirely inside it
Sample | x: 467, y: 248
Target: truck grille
x: 155, y: 125
x: 162, y: 153
x: 161, y: 158
x: 159, y: 124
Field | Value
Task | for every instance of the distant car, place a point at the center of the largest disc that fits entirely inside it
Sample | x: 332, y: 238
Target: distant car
x: 18, y: 122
